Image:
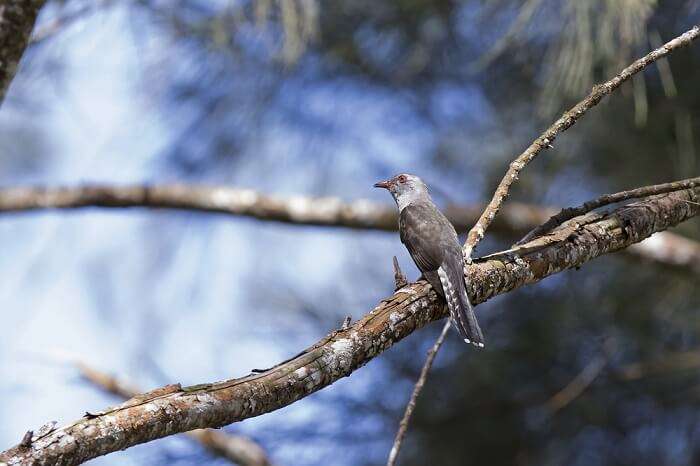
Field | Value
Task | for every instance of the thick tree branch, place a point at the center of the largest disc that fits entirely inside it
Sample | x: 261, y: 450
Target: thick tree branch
x: 17, y: 19
x: 607, y: 199
x: 567, y: 120
x: 667, y: 248
x: 173, y: 409
x: 235, y: 448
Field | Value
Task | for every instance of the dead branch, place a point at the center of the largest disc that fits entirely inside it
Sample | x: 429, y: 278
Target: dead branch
x: 399, y: 278
x: 666, y: 248
x: 567, y: 120
x: 173, y: 409
x: 545, y: 140
x: 682, y: 361
x: 304, y: 210
x: 607, y: 199
x: 235, y: 448
x: 577, y: 386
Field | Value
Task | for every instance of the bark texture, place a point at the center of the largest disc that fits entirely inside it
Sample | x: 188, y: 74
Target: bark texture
x: 477, y: 232
x: 17, y: 19
x: 566, y: 121
x: 235, y: 448
x: 667, y: 248
x: 173, y: 409
x: 607, y: 199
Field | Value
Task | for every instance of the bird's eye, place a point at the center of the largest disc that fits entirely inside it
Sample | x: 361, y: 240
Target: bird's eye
x: 402, y: 179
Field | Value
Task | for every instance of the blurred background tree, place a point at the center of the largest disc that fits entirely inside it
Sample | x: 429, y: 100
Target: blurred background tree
x: 323, y: 98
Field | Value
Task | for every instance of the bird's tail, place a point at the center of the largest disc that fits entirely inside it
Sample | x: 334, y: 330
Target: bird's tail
x: 461, y: 310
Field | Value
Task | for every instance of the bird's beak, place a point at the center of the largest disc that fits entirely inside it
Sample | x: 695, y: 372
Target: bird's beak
x: 383, y: 184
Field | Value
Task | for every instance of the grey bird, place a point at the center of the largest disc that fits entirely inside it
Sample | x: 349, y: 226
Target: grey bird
x: 434, y: 246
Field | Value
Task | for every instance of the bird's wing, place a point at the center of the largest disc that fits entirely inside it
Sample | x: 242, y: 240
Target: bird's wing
x: 435, y: 248
x: 421, y: 232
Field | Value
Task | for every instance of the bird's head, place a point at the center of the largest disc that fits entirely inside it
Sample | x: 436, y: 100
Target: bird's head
x: 404, y: 188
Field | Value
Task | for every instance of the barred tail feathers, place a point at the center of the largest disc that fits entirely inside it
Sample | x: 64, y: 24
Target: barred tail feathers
x: 461, y: 310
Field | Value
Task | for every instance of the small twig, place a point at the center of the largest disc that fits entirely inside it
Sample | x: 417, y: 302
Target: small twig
x: 403, y: 425
x: 683, y: 361
x: 577, y: 386
x: 260, y: 371
x: 572, y: 212
x: 582, y: 381
x: 567, y: 120
x: 27, y: 439
x: 399, y: 278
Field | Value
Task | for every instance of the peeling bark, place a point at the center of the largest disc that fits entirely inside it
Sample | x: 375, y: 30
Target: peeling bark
x: 17, y: 19
x: 173, y: 409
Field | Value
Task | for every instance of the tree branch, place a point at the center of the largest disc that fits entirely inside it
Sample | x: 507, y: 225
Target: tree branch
x: 406, y: 419
x: 173, y: 409
x: 667, y: 248
x: 681, y: 361
x: 671, y: 362
x: 399, y: 278
x: 607, y: 199
x: 235, y: 448
x: 303, y: 210
x: 17, y: 18
x: 577, y: 386
x: 567, y: 120
x: 545, y: 140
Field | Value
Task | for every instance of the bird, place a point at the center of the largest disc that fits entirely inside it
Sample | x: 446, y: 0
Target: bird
x: 434, y: 246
